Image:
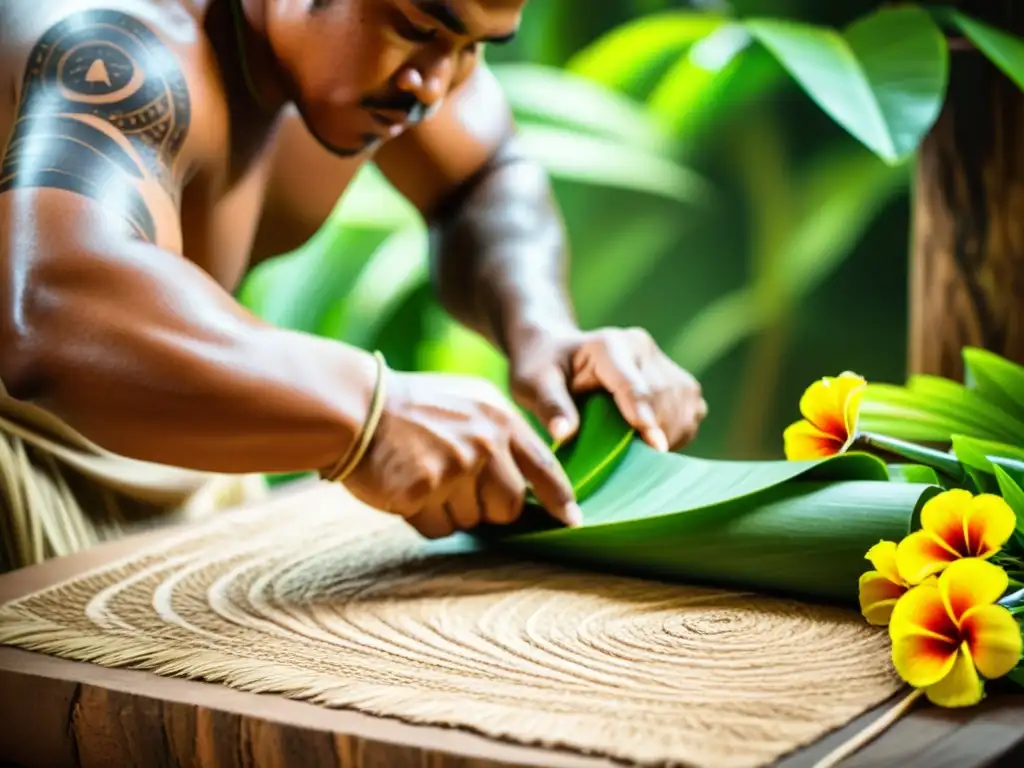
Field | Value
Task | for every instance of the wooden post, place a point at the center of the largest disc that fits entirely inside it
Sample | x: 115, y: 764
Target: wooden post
x: 967, y: 258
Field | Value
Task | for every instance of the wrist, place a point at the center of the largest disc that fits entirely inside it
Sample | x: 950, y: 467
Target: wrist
x: 348, y: 389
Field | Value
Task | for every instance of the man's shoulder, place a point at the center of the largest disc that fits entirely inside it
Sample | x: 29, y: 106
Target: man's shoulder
x: 138, y: 62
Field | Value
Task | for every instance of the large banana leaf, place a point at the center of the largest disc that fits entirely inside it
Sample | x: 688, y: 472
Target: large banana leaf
x: 799, y: 528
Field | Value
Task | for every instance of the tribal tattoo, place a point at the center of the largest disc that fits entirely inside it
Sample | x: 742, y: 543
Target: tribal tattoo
x: 94, y: 68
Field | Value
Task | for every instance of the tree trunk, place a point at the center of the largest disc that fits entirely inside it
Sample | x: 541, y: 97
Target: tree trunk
x: 967, y: 260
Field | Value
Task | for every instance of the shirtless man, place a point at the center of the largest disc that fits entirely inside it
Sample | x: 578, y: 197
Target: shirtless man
x: 148, y: 140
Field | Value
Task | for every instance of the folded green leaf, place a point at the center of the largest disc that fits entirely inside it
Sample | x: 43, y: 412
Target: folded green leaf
x: 797, y: 527
x: 914, y: 473
x: 883, y: 78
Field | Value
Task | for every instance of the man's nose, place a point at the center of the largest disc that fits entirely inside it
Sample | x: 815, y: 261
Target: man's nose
x: 428, y: 81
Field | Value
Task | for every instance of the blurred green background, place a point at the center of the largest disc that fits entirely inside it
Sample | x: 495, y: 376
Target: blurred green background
x: 706, y: 197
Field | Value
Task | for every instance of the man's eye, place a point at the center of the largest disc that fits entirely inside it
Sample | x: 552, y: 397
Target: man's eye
x: 412, y: 32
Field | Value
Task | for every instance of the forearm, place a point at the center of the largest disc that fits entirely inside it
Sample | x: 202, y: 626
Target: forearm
x: 499, y: 254
x: 144, y: 354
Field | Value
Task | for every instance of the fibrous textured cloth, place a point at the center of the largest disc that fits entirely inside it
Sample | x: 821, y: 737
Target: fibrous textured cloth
x: 315, y: 597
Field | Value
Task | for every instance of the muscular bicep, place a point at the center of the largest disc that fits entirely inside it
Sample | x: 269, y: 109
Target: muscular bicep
x: 435, y: 158
x: 103, y: 113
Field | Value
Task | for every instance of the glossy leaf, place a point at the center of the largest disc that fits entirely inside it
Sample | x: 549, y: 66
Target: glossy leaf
x: 883, y: 78
x: 796, y: 527
x: 973, y: 409
x: 1003, y: 49
x: 1013, y: 494
x: 629, y: 56
x: 715, y: 79
x: 996, y: 379
x: 892, y: 410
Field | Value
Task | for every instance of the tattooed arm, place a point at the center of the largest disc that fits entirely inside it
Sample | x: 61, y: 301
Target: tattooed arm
x: 102, y: 321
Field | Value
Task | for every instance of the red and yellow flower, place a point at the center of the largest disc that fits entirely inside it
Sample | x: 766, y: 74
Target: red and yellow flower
x: 954, y: 524
x: 882, y: 587
x: 830, y: 407
x: 948, y: 633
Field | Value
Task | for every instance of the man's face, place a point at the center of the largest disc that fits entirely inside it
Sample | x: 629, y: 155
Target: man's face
x: 363, y: 71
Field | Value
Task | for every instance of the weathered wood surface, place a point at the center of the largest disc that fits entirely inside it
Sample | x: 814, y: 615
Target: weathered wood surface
x: 55, y: 712
x: 967, y: 261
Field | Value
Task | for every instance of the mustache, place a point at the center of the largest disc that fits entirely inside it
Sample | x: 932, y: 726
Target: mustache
x: 415, y: 109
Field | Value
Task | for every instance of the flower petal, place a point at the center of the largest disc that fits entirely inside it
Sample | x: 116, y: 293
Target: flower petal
x: 824, y: 403
x: 877, y: 597
x: 922, y: 660
x: 920, y: 555
x: 943, y: 515
x: 851, y: 409
x: 970, y: 582
x: 961, y: 687
x: 921, y: 612
x: 802, y: 440
x: 988, y: 524
x: 994, y: 639
x: 883, y: 557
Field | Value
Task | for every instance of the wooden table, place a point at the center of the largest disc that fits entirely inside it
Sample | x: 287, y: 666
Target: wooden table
x: 55, y: 712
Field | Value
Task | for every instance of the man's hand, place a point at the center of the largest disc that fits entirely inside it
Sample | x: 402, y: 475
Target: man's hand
x: 451, y: 452
x: 657, y: 397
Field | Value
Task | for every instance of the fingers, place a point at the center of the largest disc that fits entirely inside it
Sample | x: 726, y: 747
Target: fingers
x: 550, y: 483
x: 432, y: 522
x: 464, y: 505
x: 624, y: 379
x: 502, y: 490
x: 547, y: 396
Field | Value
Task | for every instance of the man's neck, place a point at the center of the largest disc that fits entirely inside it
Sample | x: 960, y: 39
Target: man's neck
x: 249, y: 18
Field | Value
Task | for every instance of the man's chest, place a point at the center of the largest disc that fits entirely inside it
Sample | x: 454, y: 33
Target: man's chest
x: 276, y: 188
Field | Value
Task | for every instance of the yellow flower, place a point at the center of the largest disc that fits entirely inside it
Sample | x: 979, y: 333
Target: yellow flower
x: 948, y: 630
x: 830, y: 407
x: 882, y: 587
x: 954, y: 525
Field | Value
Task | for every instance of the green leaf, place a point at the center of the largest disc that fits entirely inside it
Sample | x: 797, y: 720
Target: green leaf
x: 913, y: 473
x: 1004, y: 50
x: 987, y: 418
x: 985, y: 456
x: 715, y: 77
x: 752, y: 525
x: 626, y: 57
x: 795, y: 527
x: 883, y: 79
x: 562, y: 99
x: 896, y: 411
x: 1014, y: 497
x: 598, y: 447
x: 594, y: 160
x: 996, y: 379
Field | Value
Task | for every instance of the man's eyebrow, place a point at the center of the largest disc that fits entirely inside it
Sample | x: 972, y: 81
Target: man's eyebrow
x: 443, y: 13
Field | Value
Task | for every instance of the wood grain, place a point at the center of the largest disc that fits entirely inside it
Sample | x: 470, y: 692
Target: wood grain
x: 967, y: 262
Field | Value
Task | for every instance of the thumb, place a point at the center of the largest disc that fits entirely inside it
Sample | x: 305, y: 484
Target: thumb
x: 546, y: 395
